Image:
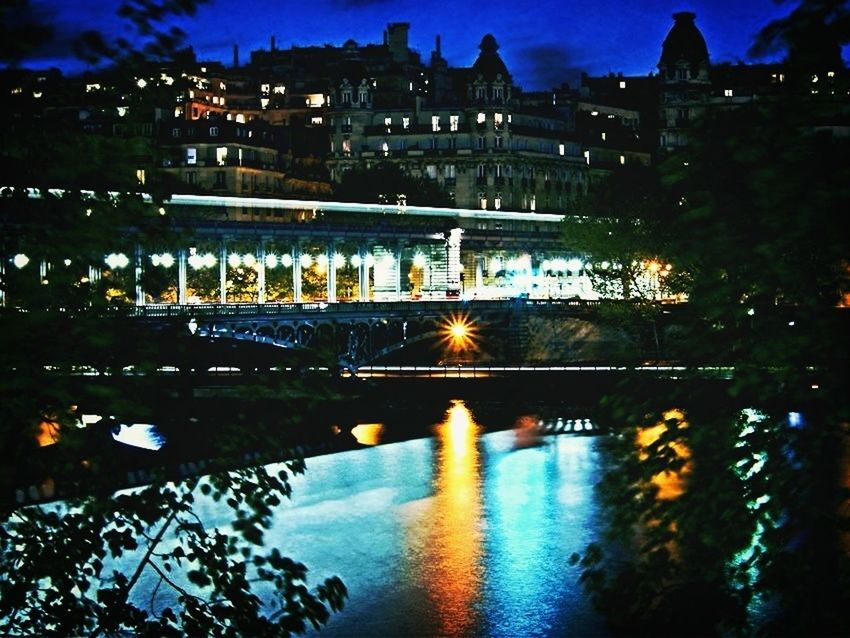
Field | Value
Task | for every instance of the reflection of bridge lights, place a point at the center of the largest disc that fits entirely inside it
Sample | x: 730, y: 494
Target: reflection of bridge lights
x: 495, y: 265
x: 356, y: 261
x: 271, y: 261
x: 234, y: 260
x: 339, y: 260
x: 306, y: 260
x: 322, y: 262
x: 249, y: 260
x: 286, y: 261
x: 458, y: 333
x: 387, y: 261
x: 20, y: 260
x: 209, y: 260
x: 419, y: 260
x: 369, y: 260
x: 196, y: 261
x: 368, y: 433
x: 560, y: 265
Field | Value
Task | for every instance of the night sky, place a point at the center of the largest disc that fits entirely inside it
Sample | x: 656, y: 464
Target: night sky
x: 543, y: 42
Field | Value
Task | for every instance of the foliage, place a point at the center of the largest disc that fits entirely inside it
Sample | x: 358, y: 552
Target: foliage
x: 140, y: 561
x: 386, y: 183
x: 758, y: 531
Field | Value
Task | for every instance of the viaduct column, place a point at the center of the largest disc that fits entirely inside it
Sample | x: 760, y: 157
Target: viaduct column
x: 222, y: 271
x: 261, y: 271
x: 182, y: 294
x: 138, y: 271
x: 363, y: 273
x: 296, y: 271
x: 331, y: 251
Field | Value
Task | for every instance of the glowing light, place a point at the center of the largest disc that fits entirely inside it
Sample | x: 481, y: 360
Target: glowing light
x: 495, y: 265
x: 234, y: 260
x: 369, y: 260
x: 387, y: 261
x: 286, y: 261
x: 196, y: 261
x: 459, y: 333
x: 271, y: 261
x: 560, y: 265
x: 67, y: 262
x: 47, y: 433
x: 322, y: 262
x: 653, y: 266
x: 368, y: 433
x: 249, y: 260
x: 20, y: 260
x: 141, y: 83
x: 419, y: 260
x: 574, y: 265
x: 209, y: 260
x: 356, y: 261
x: 161, y: 210
x: 671, y: 484
x: 117, y: 260
x: 339, y: 260
x: 166, y: 260
x: 306, y: 260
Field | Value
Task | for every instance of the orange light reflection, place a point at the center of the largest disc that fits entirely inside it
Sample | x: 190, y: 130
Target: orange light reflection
x: 671, y: 484
x: 368, y: 433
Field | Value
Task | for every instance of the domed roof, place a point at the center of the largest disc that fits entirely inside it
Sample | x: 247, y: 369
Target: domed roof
x: 489, y: 64
x: 684, y: 43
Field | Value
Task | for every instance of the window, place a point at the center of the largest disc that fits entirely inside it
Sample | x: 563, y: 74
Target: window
x: 213, y: 131
x: 480, y: 92
x: 432, y: 144
x: 346, y: 96
x: 728, y: 92
x: 498, y: 93
x: 482, y: 201
x: 497, y: 201
x: 220, y: 180
x: 191, y: 156
x: 482, y: 143
x: 622, y: 84
x: 482, y: 170
x: 405, y: 123
x: 435, y: 123
x: 221, y: 155
x: 364, y: 96
x: 498, y: 119
x: 449, y: 171
x: 191, y: 177
x: 140, y: 175
x: 175, y: 132
x: 388, y: 121
x: 561, y: 149
x: 603, y: 136
x: 264, y: 89
x: 499, y: 170
x: 346, y: 147
x: 316, y: 119
x: 431, y: 171
x: 481, y: 118
x: 452, y: 142
x: 622, y: 159
x: 498, y: 142
x: 532, y: 203
x: 385, y: 148
x: 454, y: 121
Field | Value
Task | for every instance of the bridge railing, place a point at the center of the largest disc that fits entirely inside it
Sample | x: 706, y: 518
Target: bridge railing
x: 359, y: 307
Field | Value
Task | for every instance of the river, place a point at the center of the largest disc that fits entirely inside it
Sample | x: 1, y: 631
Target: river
x: 464, y: 533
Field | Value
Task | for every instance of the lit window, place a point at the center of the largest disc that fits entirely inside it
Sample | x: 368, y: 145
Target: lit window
x: 385, y: 148
x: 140, y: 175
x: 499, y: 170
x: 497, y: 202
x: 497, y: 120
x: 454, y: 121
x: 622, y: 159
x: 498, y: 92
x: 728, y: 92
x: 213, y: 131
x: 603, y: 136
x: 264, y: 89
x: 240, y: 117
x: 830, y: 74
x: 316, y: 119
x: 264, y: 102
x: 622, y: 84
x: 532, y: 204
x: 388, y: 121
x: 435, y: 123
x: 431, y: 171
x: 482, y: 201
x: 449, y: 171
x: 561, y: 149
x: 215, y: 99
x: 279, y: 89
x: 405, y: 123
x: 587, y: 156
x: 346, y: 147
x: 221, y: 155
x: 191, y: 156
x: 364, y: 96
x: 481, y: 118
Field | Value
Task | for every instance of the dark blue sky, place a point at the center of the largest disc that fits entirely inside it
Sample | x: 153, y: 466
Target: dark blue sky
x: 542, y: 42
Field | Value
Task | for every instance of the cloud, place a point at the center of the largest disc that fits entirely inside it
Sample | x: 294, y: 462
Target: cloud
x: 546, y: 66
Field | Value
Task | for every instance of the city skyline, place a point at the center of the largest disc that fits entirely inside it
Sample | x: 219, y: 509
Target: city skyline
x: 600, y: 39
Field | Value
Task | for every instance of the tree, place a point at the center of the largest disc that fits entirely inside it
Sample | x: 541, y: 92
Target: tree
x: 74, y: 567
x: 386, y: 183
x: 760, y: 516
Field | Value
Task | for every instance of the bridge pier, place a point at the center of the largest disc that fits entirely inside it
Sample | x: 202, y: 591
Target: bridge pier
x: 296, y: 271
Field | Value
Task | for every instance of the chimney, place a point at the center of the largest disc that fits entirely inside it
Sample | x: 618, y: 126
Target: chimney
x: 397, y: 40
x: 273, y: 45
x: 235, y: 56
x: 439, y: 52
